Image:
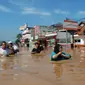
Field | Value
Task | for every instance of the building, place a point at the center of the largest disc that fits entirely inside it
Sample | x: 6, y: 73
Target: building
x: 45, y: 33
x: 81, y: 29
x: 79, y: 40
x: 23, y: 27
x: 58, y: 26
x: 64, y: 37
x: 70, y: 25
x: 77, y: 31
x: 79, y: 37
x: 27, y: 32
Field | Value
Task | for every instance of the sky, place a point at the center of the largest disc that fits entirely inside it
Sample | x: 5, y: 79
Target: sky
x: 15, y: 13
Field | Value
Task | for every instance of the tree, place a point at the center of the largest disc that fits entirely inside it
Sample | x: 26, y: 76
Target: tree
x: 19, y: 36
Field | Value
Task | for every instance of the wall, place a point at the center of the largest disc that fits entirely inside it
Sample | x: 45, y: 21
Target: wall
x: 63, y: 37
x: 79, y: 39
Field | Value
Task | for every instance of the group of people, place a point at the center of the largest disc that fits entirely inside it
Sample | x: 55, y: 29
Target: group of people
x: 9, y: 48
x: 57, y: 53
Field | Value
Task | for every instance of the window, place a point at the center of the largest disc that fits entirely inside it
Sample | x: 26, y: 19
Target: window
x: 77, y: 40
x: 82, y: 25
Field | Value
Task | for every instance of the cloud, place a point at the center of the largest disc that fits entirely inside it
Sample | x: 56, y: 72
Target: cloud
x: 59, y: 11
x: 35, y: 11
x: 16, y: 2
x: 27, y: 7
x: 81, y: 12
x: 22, y: 3
x: 4, y: 9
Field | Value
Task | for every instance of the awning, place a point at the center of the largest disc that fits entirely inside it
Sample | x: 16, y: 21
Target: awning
x: 50, y: 35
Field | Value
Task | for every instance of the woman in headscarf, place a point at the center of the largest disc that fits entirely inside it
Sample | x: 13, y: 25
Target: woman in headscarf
x: 58, y: 54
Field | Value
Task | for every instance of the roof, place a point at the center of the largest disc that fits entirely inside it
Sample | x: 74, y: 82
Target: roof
x: 71, y: 29
x: 57, y: 25
x: 83, y: 22
x: 30, y: 27
x: 72, y: 21
x: 48, y: 35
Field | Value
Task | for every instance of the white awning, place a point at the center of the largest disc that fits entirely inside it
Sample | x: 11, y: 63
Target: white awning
x: 48, y: 35
x: 25, y: 31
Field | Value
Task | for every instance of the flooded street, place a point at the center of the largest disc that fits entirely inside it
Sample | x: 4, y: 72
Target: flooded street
x: 24, y: 69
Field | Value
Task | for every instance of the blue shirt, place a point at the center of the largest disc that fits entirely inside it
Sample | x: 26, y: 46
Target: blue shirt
x: 62, y: 56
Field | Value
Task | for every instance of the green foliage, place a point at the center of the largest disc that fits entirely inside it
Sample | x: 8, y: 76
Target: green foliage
x: 19, y: 36
x: 17, y: 41
x: 0, y: 43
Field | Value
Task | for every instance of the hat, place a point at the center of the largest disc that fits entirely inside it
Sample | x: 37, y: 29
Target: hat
x: 9, y: 42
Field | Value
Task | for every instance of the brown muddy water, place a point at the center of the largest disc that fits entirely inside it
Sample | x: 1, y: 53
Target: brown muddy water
x: 26, y: 69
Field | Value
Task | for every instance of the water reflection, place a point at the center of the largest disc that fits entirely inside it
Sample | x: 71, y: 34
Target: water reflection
x: 12, y: 68
x: 82, y: 56
x: 8, y: 63
x: 37, y: 57
x: 7, y: 68
x: 58, y: 70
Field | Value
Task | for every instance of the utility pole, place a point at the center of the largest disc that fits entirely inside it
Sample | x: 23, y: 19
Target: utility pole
x: 66, y: 39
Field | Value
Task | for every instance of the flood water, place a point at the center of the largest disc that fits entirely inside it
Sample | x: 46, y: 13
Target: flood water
x: 27, y: 69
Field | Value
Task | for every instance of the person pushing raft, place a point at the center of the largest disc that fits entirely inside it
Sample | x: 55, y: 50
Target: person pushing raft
x: 58, y: 54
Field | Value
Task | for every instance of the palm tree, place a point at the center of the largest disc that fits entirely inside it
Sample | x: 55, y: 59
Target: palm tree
x: 18, y: 40
x: 19, y: 36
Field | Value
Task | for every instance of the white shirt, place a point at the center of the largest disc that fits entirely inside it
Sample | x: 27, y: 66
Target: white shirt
x: 15, y: 47
x: 4, y: 52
